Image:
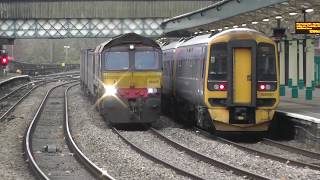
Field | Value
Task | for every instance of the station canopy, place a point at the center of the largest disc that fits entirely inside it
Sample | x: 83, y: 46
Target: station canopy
x: 261, y: 15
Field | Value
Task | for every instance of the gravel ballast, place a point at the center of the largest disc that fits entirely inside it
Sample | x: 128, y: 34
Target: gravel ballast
x: 280, y: 152
x: 167, y: 153
x: 12, y: 163
x: 102, y: 146
x: 234, y: 156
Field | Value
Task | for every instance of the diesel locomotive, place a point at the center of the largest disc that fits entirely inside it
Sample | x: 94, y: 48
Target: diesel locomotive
x: 223, y: 82
x: 123, y: 76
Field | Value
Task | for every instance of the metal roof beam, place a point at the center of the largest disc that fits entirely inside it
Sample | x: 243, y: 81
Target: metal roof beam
x: 214, y: 13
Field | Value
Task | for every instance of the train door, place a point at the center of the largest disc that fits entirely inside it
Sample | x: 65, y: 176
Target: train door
x: 242, y: 76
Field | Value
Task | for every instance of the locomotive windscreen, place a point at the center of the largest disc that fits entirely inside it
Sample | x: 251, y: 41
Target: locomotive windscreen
x: 266, y: 63
x: 218, y: 62
x: 146, y: 60
x: 117, y: 60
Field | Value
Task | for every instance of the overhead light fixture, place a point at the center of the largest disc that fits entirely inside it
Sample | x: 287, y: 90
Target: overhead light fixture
x: 254, y: 22
x: 212, y: 30
x: 195, y: 33
x: 265, y: 20
x: 235, y: 26
x: 220, y: 29
x: 309, y: 10
x: 293, y: 13
x: 243, y: 25
x: 278, y: 17
x: 226, y: 27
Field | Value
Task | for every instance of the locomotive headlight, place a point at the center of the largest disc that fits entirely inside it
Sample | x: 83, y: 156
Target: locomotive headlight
x: 152, y: 90
x: 109, y: 90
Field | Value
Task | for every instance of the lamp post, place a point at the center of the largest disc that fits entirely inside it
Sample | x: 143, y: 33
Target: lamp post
x: 66, y: 50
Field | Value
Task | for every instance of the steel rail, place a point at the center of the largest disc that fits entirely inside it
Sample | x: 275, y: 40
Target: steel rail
x: 94, y: 169
x: 290, y: 148
x: 56, y: 74
x: 19, y: 101
x: 35, y: 81
x: 205, y: 158
x: 24, y: 96
x: 156, y: 159
x: 18, y: 88
x: 27, y: 145
x: 270, y: 156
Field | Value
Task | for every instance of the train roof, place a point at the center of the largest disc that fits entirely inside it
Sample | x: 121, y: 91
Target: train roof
x: 172, y: 45
x: 128, y: 38
x: 206, y: 38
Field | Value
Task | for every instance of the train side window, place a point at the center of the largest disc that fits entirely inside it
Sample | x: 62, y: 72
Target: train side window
x: 266, y: 62
x: 218, y: 62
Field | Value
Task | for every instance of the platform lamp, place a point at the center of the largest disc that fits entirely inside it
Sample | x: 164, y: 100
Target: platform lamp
x: 66, y: 48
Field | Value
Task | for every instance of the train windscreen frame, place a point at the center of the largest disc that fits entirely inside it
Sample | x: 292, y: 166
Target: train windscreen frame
x: 266, y: 62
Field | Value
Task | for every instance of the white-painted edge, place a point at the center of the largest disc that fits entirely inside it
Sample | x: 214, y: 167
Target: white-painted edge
x: 300, y: 116
x: 15, y: 77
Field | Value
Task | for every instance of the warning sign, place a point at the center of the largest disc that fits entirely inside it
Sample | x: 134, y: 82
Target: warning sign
x: 307, y: 27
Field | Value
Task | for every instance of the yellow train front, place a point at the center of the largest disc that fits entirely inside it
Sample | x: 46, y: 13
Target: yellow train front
x: 226, y: 82
x: 127, y: 79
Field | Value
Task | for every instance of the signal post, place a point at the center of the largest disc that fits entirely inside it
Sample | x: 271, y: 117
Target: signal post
x: 4, y: 60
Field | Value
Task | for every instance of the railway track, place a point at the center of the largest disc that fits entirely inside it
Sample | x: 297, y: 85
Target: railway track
x: 15, y: 97
x: 187, y: 154
x: 48, y: 143
x: 300, y: 162
x: 292, y: 149
x: 12, y: 99
x: 277, y: 157
x: 57, y: 75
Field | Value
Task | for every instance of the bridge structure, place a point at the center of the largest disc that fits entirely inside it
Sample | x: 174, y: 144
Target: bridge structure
x: 89, y: 19
x: 37, y: 19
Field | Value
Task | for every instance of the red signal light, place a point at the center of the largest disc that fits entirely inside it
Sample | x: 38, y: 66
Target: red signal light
x: 262, y: 87
x: 4, y: 60
x: 222, y: 87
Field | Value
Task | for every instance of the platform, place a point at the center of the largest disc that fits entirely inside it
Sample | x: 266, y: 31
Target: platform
x: 305, y: 115
x: 8, y: 76
x: 300, y: 105
x: 12, y: 80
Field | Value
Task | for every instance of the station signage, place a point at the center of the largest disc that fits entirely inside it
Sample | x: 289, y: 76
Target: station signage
x: 307, y: 27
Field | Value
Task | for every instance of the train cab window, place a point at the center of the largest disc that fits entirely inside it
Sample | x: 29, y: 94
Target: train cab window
x: 266, y: 62
x: 116, y: 60
x: 145, y: 60
x: 218, y: 62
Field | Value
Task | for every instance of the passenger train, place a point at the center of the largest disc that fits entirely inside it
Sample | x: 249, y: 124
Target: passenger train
x: 123, y: 76
x: 223, y: 82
